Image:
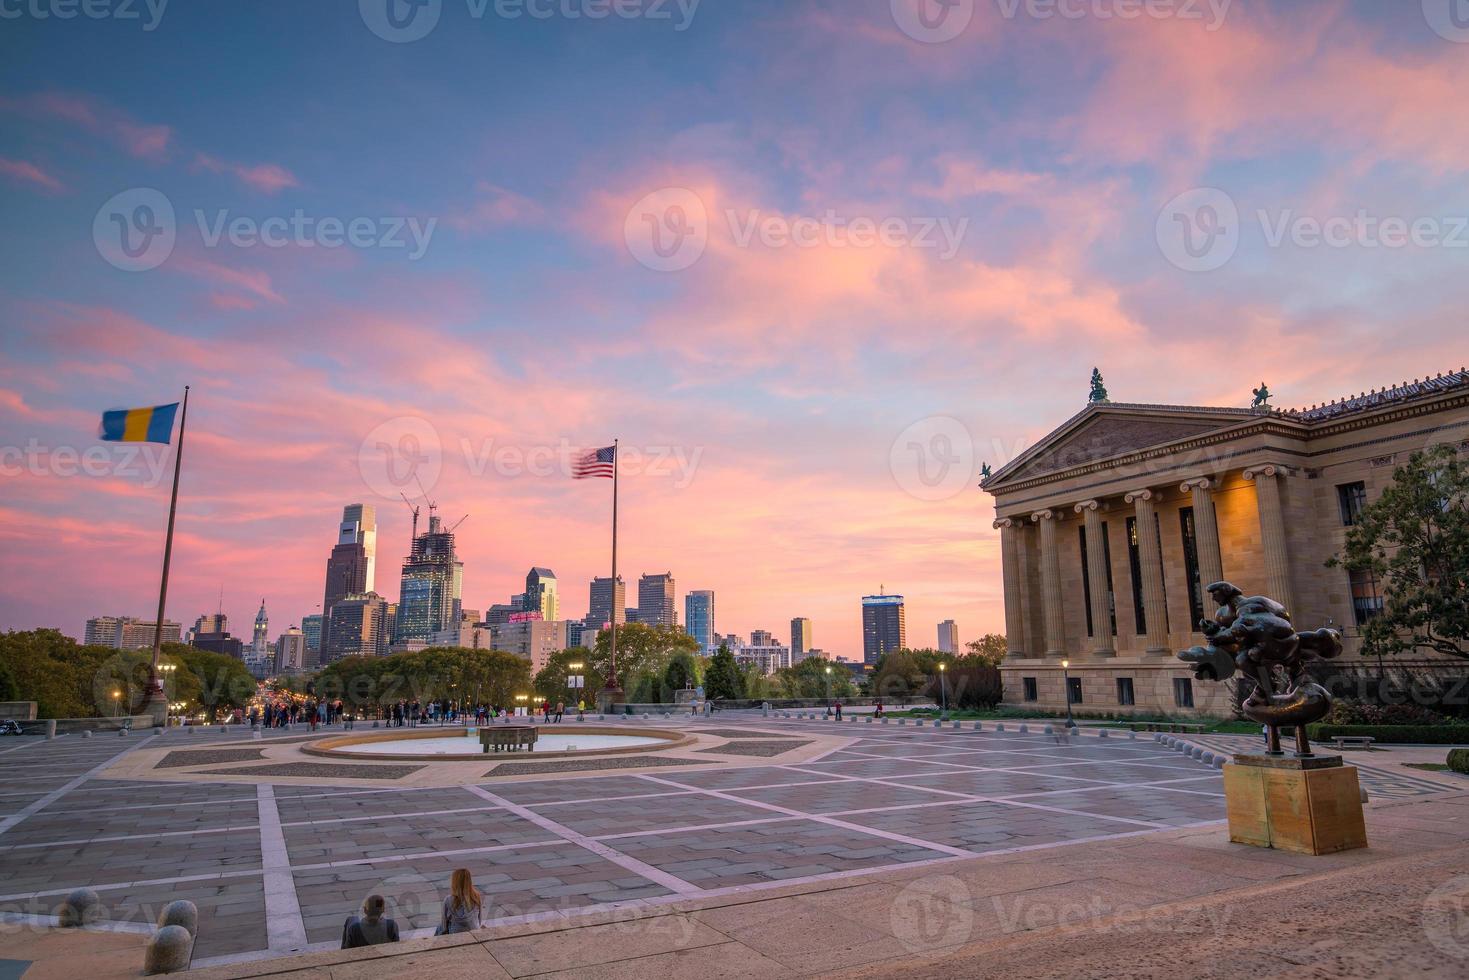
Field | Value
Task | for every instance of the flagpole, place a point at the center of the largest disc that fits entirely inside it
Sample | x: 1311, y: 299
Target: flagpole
x: 612, y: 685
x: 155, y: 702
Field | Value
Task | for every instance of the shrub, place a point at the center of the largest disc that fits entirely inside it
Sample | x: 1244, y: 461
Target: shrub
x: 1459, y: 760
x: 1395, y: 734
x: 1360, y: 713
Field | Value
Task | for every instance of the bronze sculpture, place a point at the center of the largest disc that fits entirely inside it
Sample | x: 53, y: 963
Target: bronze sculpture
x: 1254, y: 636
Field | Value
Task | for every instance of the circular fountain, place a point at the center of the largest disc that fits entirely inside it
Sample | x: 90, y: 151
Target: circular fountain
x: 460, y: 744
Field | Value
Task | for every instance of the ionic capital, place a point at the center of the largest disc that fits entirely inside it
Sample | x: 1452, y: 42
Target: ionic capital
x: 1043, y: 515
x: 1269, y: 469
x: 1004, y: 523
x: 1197, y: 483
x: 1137, y: 495
x: 1086, y: 505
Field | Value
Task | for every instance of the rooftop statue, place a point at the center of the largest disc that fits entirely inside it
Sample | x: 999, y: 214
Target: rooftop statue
x: 1254, y: 636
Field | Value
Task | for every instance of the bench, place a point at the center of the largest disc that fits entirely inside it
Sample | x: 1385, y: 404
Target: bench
x: 1352, y: 741
x: 508, y: 739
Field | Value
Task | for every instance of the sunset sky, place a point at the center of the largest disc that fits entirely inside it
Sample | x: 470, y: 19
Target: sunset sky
x: 1026, y: 171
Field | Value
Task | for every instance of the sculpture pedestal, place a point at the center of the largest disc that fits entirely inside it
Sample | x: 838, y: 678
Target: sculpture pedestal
x: 1310, y: 806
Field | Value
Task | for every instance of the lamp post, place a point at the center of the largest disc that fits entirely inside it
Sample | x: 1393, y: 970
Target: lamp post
x: 1066, y: 689
x: 116, y: 703
x: 166, y: 670
x: 828, y: 687
x: 943, y: 692
x: 520, y: 700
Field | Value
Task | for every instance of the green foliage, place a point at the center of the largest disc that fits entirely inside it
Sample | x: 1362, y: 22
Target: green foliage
x: 1458, y: 760
x: 551, y: 679
x: 810, y: 679
x: 211, y: 681
x: 1395, y: 734
x: 458, y: 673
x: 904, y: 673
x: 722, y: 678
x: 1415, y: 538
x: 642, y: 650
x: 989, y: 649
x: 969, y: 683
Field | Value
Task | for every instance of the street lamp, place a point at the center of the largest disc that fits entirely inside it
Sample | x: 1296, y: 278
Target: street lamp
x: 828, y: 687
x: 574, y: 680
x: 521, y: 699
x: 167, y: 671
x: 1066, y: 689
x: 116, y: 703
x: 943, y: 692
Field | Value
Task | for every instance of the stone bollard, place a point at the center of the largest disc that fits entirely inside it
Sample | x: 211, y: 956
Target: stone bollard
x: 1132, y: 736
x: 122, y: 733
x: 1024, y: 729
x: 979, y: 726
x: 255, y: 734
x: 87, y: 733
x: 869, y: 720
x: 938, y: 723
x: 157, y: 730
x: 902, y: 721
x: 50, y: 728
x: 1102, y: 733
x: 956, y: 726
x: 180, y: 913
x: 169, y: 951
x: 999, y: 728
x: 82, y: 907
x: 1208, y: 758
x: 884, y: 721
x: 1219, y: 764
x: 1049, y: 730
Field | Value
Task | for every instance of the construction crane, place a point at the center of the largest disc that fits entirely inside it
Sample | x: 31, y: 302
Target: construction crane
x: 457, y: 523
x: 413, y: 507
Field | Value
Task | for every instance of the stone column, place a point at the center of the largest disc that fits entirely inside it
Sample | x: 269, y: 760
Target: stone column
x: 1206, y: 531
x: 1096, y: 573
x: 1014, y: 610
x: 1155, y: 606
x: 1051, y: 583
x: 1272, y: 532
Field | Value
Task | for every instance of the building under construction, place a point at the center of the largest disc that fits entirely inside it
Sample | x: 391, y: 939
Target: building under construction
x: 433, y: 577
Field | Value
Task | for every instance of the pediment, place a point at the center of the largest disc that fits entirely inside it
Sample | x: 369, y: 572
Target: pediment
x: 1104, y: 431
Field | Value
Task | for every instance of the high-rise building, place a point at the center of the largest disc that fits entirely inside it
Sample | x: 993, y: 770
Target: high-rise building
x: 605, y: 600
x: 541, y: 595
x: 884, y: 626
x: 360, y: 626
x: 433, y: 579
x: 352, y: 567
x: 800, y: 638
x: 311, y: 629
x: 290, y: 652
x: 948, y: 637
x: 501, y: 612
x: 262, y: 629
x: 128, y: 632
x: 762, y: 638
x: 533, y: 639
x: 768, y: 658
x: 698, y: 617
x: 211, y: 624
x: 657, y: 600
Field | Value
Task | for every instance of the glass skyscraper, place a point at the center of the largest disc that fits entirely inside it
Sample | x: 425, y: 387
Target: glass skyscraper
x: 698, y: 616
x: 433, y: 579
x: 884, y: 626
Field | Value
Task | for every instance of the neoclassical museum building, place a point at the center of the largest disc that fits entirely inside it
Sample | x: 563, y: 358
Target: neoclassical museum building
x: 1112, y: 526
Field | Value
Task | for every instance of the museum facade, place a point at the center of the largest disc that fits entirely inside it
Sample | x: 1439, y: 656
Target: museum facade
x: 1112, y: 527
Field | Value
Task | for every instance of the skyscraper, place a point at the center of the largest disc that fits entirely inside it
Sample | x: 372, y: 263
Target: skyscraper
x: 948, y: 637
x: 762, y: 638
x: 698, y: 617
x: 290, y: 652
x: 360, y: 626
x: 128, y: 632
x: 657, y: 600
x: 800, y: 638
x: 311, y: 629
x: 541, y: 595
x: 433, y: 580
x: 884, y: 626
x: 604, y: 600
x: 352, y: 567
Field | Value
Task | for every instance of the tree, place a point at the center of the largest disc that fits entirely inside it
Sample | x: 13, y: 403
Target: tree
x: 990, y: 649
x: 1415, y: 540
x: 810, y: 679
x: 551, y: 679
x: 901, y: 674
x: 641, y: 649
x: 722, y: 679
x: 682, y: 673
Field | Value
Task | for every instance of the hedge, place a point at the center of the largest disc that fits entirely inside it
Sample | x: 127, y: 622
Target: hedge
x: 1409, y: 734
x: 1459, y: 760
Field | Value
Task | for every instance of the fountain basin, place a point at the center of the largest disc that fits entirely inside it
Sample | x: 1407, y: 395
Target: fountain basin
x: 461, y: 744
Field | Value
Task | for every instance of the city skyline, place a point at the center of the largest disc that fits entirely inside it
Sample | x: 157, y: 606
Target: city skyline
x: 769, y: 395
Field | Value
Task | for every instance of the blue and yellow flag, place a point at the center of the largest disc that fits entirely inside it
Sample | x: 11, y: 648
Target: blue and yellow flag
x: 139, y: 424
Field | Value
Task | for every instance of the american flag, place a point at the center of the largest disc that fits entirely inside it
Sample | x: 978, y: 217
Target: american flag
x: 597, y: 463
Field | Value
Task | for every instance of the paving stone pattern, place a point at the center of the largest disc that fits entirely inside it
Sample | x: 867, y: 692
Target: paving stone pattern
x: 886, y: 798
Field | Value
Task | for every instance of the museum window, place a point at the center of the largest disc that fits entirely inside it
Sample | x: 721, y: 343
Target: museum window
x: 1191, y: 567
x: 1032, y: 693
x: 1183, y: 692
x: 1135, y: 564
x: 1366, y: 600
x: 1125, y: 693
x: 1073, y: 690
x: 1351, y: 498
x: 1086, y: 581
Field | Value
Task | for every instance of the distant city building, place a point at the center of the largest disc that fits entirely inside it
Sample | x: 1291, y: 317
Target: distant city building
x: 948, y: 637
x: 633, y: 615
x: 501, y: 612
x: 768, y: 657
x: 762, y: 638
x: 800, y: 638
x: 218, y: 641
x: 532, y: 639
x: 574, y: 630
x: 541, y: 594
x: 129, y: 632
x: 433, y: 580
x: 884, y: 626
x: 360, y: 626
x: 311, y: 628
x: 260, y: 642
x: 604, y: 600
x: 698, y: 617
x: 657, y: 600
x: 211, y: 624
x: 350, y: 570
x: 290, y: 652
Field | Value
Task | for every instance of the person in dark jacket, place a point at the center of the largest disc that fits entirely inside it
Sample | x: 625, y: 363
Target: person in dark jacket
x: 372, y: 928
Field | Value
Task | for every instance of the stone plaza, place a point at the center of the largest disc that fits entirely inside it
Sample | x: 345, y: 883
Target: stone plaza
x: 277, y: 847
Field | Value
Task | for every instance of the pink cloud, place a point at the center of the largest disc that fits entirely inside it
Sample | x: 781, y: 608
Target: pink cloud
x: 495, y: 207
x: 145, y: 141
x: 255, y: 282
x: 25, y: 172
x: 268, y: 178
